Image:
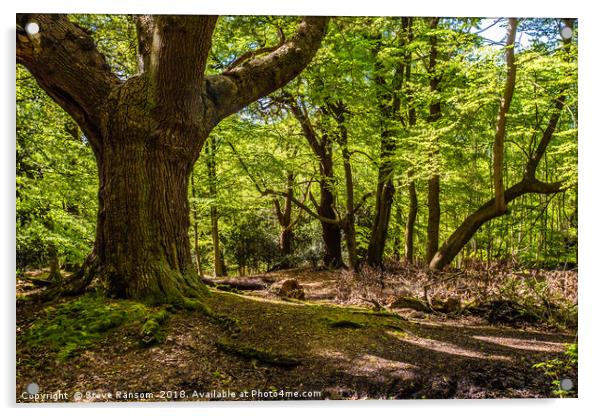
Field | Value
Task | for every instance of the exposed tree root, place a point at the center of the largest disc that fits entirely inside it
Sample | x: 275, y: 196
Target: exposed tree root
x: 252, y: 353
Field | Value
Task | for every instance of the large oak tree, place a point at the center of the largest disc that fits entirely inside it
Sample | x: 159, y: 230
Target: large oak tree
x: 146, y: 133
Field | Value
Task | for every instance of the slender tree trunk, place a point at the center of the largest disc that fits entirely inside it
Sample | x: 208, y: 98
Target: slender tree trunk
x: 55, y: 267
x: 500, y: 131
x: 434, y: 187
x: 322, y: 148
x: 331, y: 233
x: 349, y: 226
x: 197, y: 251
x: 412, y: 195
x: 398, y: 233
x: 195, y: 227
x: 434, y: 216
x: 287, y: 235
x: 410, y: 224
x: 382, y: 216
x: 338, y: 110
x: 218, y: 263
x: 284, y: 215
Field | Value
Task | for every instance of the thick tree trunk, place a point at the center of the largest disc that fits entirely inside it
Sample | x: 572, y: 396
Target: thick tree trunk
x: 145, y: 159
x: 148, y: 131
x: 142, y: 243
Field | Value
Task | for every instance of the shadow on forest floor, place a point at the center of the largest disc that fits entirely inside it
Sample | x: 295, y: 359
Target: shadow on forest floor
x: 341, y: 352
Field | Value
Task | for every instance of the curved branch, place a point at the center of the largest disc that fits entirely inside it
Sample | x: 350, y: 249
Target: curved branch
x: 66, y: 64
x: 244, y: 84
x: 487, y: 212
x: 529, y: 184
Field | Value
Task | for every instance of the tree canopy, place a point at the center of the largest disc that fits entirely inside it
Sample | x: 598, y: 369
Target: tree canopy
x: 390, y: 129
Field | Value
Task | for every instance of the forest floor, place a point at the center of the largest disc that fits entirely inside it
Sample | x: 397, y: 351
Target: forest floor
x: 256, y: 346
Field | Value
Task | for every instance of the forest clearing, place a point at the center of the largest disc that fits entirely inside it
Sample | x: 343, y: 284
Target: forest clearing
x: 295, y: 208
x: 258, y: 341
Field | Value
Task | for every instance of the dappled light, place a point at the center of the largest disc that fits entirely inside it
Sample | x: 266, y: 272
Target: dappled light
x: 525, y: 344
x: 447, y: 347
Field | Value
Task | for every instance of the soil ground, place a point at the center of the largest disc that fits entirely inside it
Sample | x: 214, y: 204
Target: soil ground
x: 314, y: 348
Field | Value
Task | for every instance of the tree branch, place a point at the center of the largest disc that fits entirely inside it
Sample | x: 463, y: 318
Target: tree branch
x: 303, y: 207
x: 145, y: 28
x: 64, y: 60
x: 363, y: 200
x: 244, y: 84
x: 252, y: 54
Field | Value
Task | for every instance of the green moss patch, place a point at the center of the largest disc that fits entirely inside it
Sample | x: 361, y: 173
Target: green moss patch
x: 71, y: 327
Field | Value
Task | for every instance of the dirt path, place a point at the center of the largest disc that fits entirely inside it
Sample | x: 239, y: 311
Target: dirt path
x: 338, y: 352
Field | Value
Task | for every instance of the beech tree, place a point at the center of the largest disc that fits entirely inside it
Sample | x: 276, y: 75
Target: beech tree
x: 529, y: 183
x: 147, y: 131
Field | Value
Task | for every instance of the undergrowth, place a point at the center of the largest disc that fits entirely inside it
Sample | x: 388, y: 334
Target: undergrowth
x: 547, y: 297
x: 563, y: 368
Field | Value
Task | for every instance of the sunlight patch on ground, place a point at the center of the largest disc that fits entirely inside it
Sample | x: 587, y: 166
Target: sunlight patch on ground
x: 524, y: 344
x: 373, y: 365
x: 368, y: 365
x: 447, y: 347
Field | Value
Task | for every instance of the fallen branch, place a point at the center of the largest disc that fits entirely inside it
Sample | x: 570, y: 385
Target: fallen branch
x: 238, y: 284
